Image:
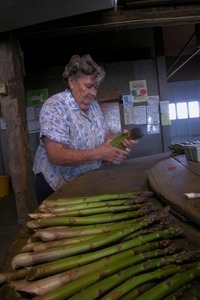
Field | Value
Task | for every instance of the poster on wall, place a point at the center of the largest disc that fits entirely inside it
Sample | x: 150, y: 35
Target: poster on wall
x: 164, y: 109
x: 153, y: 100
x: 32, y: 115
x: 153, y: 119
x: 138, y: 90
x: 127, y: 100
x: 37, y: 97
x: 135, y: 115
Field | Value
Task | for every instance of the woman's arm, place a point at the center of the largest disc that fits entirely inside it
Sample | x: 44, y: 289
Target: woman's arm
x: 60, y: 154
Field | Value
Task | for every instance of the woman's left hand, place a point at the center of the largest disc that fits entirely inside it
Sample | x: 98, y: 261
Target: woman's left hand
x: 128, y: 144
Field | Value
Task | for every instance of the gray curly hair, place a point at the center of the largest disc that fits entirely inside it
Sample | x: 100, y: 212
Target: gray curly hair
x: 83, y: 65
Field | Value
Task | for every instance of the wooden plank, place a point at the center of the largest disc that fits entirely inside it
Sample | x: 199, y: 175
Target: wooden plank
x: 191, y: 165
x: 169, y: 179
x: 13, y: 110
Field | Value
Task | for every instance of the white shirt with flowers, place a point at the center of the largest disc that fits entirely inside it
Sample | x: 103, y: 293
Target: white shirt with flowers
x: 62, y: 120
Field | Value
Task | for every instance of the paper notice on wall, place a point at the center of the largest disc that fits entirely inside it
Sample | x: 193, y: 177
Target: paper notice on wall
x: 164, y: 109
x: 135, y: 115
x: 32, y: 126
x: 127, y: 101
x: 153, y: 114
x: 32, y: 115
x: 153, y: 128
x: 153, y: 100
x: 138, y: 90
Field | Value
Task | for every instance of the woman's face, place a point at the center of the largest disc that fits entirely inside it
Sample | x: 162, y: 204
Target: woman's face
x: 84, y: 90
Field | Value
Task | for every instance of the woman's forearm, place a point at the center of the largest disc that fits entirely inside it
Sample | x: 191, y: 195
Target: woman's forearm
x: 59, y: 154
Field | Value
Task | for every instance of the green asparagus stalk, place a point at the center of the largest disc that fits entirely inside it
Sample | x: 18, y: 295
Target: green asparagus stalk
x: 39, y: 215
x: 32, y: 258
x: 130, y: 284
x: 29, y: 258
x: 133, y: 134
x: 95, y: 219
x: 13, y: 275
x: 83, y: 205
x: 133, y: 294
x: 30, y: 246
x: 86, y: 205
x: 179, y: 292
x: 135, y: 197
x: 172, y: 284
x: 19, y: 284
x: 94, y: 272
x: 63, y: 242
x: 84, y: 212
x: 94, y: 198
x: 63, y: 264
x: 51, y: 234
x: 106, y: 285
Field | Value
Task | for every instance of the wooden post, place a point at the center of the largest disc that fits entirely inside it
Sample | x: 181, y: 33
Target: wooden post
x: 14, y: 114
x: 162, y: 82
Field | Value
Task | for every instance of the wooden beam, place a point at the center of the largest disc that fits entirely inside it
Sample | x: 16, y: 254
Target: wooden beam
x: 14, y: 114
x: 162, y: 82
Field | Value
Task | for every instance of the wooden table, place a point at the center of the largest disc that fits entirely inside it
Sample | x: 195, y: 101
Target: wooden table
x: 171, y: 179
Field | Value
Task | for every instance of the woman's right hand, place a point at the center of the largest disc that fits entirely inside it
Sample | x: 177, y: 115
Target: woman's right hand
x: 111, y: 154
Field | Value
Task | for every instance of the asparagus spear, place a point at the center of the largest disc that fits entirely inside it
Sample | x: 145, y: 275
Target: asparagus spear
x: 29, y: 258
x: 13, y: 275
x: 64, y: 264
x: 83, y: 205
x: 171, y: 284
x: 67, y: 242
x: 50, y: 234
x: 104, y: 286
x: 96, y: 272
x: 84, y: 212
x: 130, y: 284
x: 54, y: 267
x: 29, y: 246
x: 95, y: 219
x: 80, y: 206
x: 134, y: 134
x: 62, y: 242
x: 133, y: 294
x: 32, y: 258
x: 179, y: 292
x: 94, y: 198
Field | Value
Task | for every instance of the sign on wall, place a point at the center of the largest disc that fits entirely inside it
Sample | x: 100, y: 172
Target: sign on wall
x: 37, y: 97
x: 138, y: 90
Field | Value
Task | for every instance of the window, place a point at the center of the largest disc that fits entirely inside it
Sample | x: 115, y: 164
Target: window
x: 184, y: 110
x: 172, y: 111
x: 193, y: 108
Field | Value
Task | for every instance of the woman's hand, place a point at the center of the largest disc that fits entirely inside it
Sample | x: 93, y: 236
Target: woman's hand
x: 111, y: 154
x: 128, y: 144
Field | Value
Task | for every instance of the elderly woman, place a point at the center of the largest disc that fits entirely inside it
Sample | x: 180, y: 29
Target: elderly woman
x: 74, y: 138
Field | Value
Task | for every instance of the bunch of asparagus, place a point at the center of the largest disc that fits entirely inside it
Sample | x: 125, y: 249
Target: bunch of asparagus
x: 111, y: 246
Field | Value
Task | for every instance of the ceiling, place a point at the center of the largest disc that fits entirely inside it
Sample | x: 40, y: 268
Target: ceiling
x: 21, y: 13
x: 111, y: 30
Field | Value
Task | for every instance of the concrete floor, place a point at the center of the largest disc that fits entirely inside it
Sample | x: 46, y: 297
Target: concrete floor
x: 8, y: 224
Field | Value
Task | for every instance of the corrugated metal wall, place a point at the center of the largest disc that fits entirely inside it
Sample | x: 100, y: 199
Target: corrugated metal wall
x: 184, y: 129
